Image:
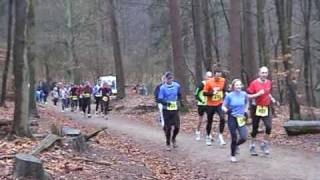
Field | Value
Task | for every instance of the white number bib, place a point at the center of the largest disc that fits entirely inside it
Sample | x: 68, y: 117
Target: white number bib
x: 262, y: 111
x: 241, y: 121
x: 172, y: 106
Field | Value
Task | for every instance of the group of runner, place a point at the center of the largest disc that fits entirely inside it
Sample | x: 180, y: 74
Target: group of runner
x: 216, y: 96
x: 79, y: 97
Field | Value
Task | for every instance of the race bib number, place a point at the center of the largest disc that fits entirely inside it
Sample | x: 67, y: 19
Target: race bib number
x: 241, y: 121
x: 105, y: 98
x: 262, y: 111
x: 74, y: 98
x: 218, y: 96
x: 86, y: 95
x: 172, y: 106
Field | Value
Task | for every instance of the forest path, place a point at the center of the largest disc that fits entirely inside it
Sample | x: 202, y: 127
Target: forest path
x: 282, y: 163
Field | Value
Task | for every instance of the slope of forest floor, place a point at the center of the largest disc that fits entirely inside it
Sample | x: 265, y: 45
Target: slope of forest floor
x: 109, y: 156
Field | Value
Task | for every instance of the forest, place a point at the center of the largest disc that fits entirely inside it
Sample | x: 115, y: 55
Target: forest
x: 76, y: 42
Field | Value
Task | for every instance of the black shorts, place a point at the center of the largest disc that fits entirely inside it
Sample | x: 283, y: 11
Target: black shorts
x: 201, y: 110
x: 171, y: 118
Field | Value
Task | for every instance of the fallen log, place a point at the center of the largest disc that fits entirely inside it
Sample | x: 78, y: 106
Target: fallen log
x: 106, y: 163
x: 45, y: 143
x: 8, y: 156
x: 28, y: 166
x: 93, y: 134
x: 294, y: 127
x: 5, y: 123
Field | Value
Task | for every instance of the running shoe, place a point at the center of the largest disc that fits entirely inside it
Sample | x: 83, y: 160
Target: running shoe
x: 233, y: 159
x: 253, y: 151
x: 198, y: 136
x: 222, y: 142
x: 208, y: 141
x: 265, y: 148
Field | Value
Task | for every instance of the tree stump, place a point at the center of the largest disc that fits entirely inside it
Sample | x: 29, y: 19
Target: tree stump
x: 79, y: 144
x: 28, y: 166
x: 67, y: 131
x: 294, y: 127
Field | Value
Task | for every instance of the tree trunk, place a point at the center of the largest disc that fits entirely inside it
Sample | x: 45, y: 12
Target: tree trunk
x: 208, y: 61
x: 198, y: 40
x: 8, y: 55
x: 31, y: 59
x: 225, y: 14
x: 20, y: 69
x: 179, y: 66
x: 261, y: 34
x: 116, y: 51
x: 73, y: 72
x: 235, y: 42
x: 249, y: 67
x: 306, y: 7
x: 284, y: 15
x: 216, y: 39
x: 97, y: 34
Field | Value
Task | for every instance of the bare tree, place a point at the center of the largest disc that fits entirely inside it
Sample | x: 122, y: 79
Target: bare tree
x: 198, y: 40
x: 208, y: 61
x: 31, y: 58
x: 116, y: 51
x: 261, y: 34
x: 306, y: 8
x: 73, y: 72
x: 20, y: 69
x: 249, y: 66
x: 8, y: 55
x: 235, y: 42
x: 284, y: 15
x: 179, y: 67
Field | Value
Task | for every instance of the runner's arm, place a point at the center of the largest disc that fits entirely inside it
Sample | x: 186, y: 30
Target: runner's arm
x: 207, y: 90
x: 160, y: 98
x: 225, y: 104
x: 197, y: 93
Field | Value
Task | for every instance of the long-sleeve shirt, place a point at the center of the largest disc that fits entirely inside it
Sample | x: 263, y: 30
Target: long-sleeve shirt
x: 169, y: 94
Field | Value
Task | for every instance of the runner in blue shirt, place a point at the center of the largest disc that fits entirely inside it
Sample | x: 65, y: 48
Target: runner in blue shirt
x: 168, y: 96
x: 236, y: 105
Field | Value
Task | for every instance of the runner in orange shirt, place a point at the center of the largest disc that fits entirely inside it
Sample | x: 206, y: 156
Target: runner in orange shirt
x: 215, y: 89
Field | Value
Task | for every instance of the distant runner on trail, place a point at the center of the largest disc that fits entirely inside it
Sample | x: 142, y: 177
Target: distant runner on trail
x: 202, y: 103
x: 105, y: 92
x: 169, y: 95
x: 63, y: 97
x: 74, y: 97
x: 160, y: 106
x: 236, y: 105
x: 215, y: 89
x: 97, y: 96
x: 80, y: 94
x: 87, y: 91
x: 260, y: 91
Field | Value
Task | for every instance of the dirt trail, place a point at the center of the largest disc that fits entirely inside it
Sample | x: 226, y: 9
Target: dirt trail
x: 283, y: 163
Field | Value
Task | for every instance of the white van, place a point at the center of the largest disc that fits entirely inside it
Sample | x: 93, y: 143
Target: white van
x: 111, y: 80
